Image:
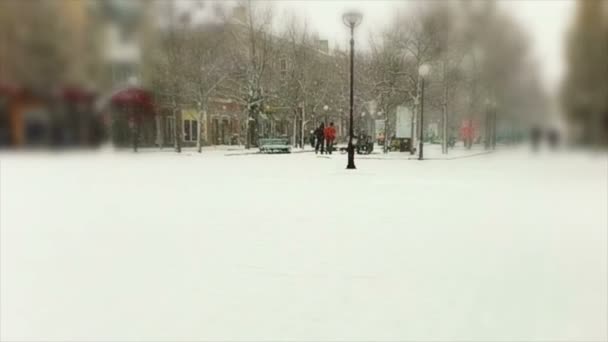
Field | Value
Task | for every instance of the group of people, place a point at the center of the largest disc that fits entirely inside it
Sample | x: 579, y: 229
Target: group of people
x: 538, y: 134
x: 323, y: 138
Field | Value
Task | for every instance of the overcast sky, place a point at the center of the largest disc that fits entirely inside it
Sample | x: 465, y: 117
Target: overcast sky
x: 546, y: 21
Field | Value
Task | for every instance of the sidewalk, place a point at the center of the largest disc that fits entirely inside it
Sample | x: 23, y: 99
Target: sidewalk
x: 431, y: 152
x: 255, y: 150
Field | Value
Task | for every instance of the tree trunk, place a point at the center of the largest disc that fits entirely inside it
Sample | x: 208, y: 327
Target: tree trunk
x: 178, y: 130
x: 302, y: 128
x: 488, y: 130
x: 247, y: 131
x: 386, y: 132
x: 295, y: 130
x: 413, y: 128
x: 253, y: 129
x: 444, y: 121
x: 444, y: 129
x: 135, y: 135
x: 159, y: 131
x: 201, y: 114
x: 494, y: 123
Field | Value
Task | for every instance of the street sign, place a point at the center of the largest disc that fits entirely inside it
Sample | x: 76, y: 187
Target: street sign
x: 404, y: 122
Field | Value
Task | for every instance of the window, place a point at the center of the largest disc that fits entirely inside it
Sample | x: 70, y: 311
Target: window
x: 194, y: 127
x: 190, y: 130
x: 169, y: 128
x: 187, y: 130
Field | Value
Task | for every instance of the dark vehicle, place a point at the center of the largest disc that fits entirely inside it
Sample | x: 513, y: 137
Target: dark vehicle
x: 452, y: 142
x: 365, y: 144
x: 400, y: 144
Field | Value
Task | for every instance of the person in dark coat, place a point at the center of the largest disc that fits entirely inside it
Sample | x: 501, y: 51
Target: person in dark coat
x: 320, y: 135
x: 553, y: 138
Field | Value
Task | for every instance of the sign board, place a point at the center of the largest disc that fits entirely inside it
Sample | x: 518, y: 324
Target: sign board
x: 379, y: 125
x: 404, y: 122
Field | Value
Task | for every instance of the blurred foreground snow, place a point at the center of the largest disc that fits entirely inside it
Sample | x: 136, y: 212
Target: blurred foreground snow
x: 161, y: 246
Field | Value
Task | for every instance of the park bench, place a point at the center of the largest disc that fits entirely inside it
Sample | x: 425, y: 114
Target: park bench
x: 274, y: 145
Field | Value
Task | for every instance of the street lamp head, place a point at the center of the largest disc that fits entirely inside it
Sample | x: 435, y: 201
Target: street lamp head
x: 352, y: 19
x: 424, y: 70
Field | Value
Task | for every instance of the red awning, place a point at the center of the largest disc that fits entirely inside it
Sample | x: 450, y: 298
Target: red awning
x: 76, y: 95
x: 9, y: 90
x: 134, y: 101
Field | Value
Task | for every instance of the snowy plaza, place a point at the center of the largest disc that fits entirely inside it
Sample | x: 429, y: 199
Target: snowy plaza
x: 223, y: 245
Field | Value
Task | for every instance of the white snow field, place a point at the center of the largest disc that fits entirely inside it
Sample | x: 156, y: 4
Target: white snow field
x: 158, y: 246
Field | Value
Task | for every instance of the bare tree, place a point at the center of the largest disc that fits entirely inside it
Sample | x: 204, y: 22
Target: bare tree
x: 304, y: 76
x: 208, y: 68
x: 169, y: 66
x: 252, y: 52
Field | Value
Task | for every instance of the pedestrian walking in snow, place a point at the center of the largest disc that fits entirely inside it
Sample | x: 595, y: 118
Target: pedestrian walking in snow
x: 320, y: 135
x: 553, y: 138
x: 330, y: 136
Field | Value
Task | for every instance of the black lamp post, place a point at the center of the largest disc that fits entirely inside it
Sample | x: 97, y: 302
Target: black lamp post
x: 351, y: 19
x: 423, y: 72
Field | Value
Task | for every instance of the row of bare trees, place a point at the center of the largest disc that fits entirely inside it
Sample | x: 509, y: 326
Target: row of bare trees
x: 472, y: 74
x: 286, y: 72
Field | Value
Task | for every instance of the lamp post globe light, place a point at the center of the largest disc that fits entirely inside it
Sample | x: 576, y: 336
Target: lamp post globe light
x: 423, y: 71
x: 351, y: 19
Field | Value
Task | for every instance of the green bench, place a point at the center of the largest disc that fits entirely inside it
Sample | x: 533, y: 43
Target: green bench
x: 274, y: 145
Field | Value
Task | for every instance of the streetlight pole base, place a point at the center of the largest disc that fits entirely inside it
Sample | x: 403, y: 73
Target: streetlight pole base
x: 351, y: 158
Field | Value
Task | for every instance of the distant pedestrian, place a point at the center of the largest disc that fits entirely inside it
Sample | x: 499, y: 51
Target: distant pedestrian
x: 320, y: 135
x: 311, y: 139
x: 330, y: 136
x: 553, y: 138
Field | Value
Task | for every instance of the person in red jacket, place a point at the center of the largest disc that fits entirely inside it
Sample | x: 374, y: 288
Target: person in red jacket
x: 330, y: 136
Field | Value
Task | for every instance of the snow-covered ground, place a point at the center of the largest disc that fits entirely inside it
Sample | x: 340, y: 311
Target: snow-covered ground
x: 160, y: 246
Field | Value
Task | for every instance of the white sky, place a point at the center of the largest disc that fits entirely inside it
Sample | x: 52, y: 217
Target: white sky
x: 546, y: 21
